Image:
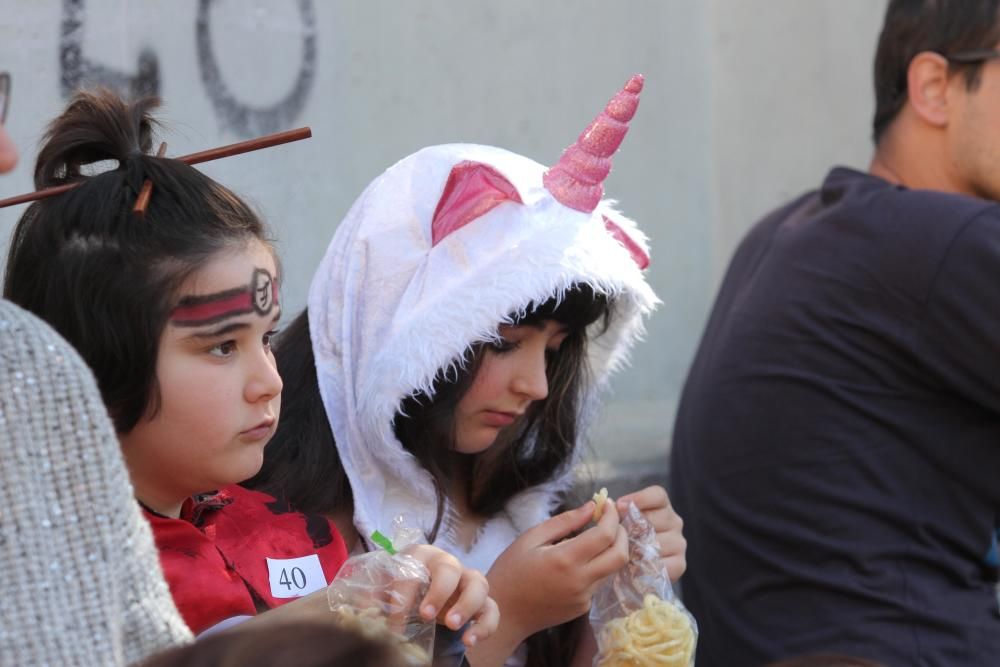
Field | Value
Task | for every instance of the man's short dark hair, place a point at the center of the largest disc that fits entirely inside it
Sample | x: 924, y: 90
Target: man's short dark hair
x: 912, y: 26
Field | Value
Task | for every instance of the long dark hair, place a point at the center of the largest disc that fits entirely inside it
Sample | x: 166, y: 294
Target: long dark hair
x: 105, y: 280
x: 301, y: 462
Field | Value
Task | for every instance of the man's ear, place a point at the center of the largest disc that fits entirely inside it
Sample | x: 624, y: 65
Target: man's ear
x: 927, y: 87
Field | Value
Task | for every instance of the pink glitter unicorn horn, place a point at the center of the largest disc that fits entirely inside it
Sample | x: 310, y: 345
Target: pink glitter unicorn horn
x: 576, y: 180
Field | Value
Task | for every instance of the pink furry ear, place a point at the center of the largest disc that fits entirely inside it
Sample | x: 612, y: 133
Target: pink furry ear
x: 472, y: 190
x: 638, y: 255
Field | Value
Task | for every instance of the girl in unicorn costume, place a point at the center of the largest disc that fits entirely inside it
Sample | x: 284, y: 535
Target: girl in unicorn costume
x: 466, y: 314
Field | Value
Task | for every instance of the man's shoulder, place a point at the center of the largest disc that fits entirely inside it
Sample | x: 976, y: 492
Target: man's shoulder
x: 762, y: 231
x: 861, y: 198
x: 866, y: 194
x: 941, y: 206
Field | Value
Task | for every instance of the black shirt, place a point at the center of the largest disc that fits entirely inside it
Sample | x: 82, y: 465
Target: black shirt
x: 836, y: 454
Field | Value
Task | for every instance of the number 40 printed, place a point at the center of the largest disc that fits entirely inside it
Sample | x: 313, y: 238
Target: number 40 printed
x: 295, y: 577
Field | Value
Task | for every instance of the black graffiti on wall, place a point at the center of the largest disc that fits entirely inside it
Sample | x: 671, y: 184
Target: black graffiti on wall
x: 78, y: 71
x: 238, y: 116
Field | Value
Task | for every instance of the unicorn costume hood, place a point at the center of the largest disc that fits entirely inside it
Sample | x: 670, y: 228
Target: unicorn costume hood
x: 434, y: 255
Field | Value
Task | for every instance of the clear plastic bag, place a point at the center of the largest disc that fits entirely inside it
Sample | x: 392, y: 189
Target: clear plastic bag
x: 635, y: 616
x: 378, y: 594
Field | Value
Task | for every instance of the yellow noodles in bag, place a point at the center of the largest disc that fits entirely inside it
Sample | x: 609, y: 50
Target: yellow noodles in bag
x: 658, y: 634
x: 600, y: 498
x: 377, y: 593
x: 636, y: 618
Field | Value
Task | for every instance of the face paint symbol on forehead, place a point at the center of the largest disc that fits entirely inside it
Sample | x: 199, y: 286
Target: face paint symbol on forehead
x: 260, y: 296
x: 264, y: 296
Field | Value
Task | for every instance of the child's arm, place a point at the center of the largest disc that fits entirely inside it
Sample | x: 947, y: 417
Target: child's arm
x: 312, y: 607
x: 654, y: 503
x: 456, y: 595
x: 544, y: 579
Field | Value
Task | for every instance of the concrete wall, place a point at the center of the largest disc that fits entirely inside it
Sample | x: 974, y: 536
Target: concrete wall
x: 747, y: 102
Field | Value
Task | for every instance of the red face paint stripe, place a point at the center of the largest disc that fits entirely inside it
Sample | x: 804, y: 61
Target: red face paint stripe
x: 214, y: 310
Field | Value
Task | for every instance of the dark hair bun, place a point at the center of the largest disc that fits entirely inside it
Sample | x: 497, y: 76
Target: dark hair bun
x: 97, y: 125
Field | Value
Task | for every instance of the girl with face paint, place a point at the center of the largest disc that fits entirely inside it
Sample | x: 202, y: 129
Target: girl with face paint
x: 174, y: 312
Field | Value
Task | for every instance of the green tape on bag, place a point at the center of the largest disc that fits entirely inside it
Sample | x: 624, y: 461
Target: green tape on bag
x: 384, y: 542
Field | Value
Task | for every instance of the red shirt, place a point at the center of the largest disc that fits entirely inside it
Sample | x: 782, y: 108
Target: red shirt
x: 215, y: 556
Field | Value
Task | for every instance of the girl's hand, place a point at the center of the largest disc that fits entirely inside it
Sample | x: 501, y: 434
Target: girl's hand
x: 654, y: 503
x: 544, y: 579
x: 456, y: 595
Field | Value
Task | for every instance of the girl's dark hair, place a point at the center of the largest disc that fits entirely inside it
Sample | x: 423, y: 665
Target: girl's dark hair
x: 103, y: 278
x: 300, y: 643
x: 947, y: 27
x: 301, y: 463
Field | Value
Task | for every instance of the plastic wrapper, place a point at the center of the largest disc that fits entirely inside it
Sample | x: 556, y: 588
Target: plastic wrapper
x: 378, y: 594
x: 635, y: 616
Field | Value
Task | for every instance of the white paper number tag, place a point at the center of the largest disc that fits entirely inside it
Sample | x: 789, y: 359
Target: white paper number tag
x: 295, y: 577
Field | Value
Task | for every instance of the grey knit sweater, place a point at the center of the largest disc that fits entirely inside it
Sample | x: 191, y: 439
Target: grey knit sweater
x: 80, y: 580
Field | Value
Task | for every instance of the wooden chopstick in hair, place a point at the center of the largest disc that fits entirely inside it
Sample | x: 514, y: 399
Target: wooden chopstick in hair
x: 267, y: 141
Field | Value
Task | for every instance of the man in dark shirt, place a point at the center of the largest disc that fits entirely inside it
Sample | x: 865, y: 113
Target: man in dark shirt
x: 836, y: 453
